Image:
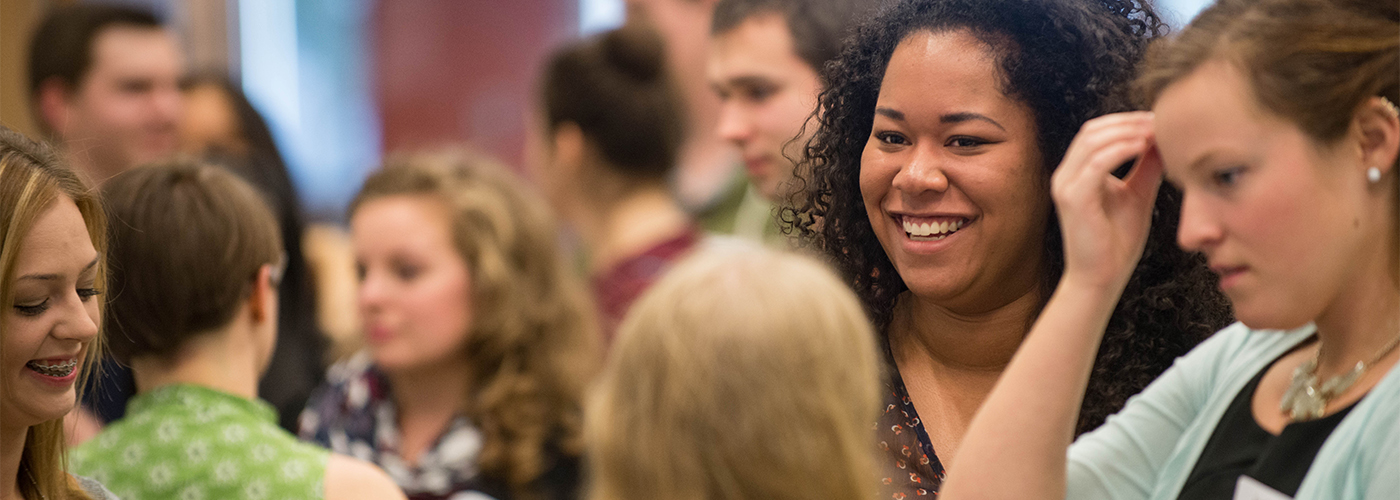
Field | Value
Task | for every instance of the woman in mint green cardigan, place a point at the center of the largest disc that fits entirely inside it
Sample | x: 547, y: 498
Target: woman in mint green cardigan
x: 1277, y: 119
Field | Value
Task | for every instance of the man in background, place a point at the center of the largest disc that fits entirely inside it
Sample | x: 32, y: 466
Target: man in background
x: 707, y: 180
x: 104, y: 85
x: 765, y: 62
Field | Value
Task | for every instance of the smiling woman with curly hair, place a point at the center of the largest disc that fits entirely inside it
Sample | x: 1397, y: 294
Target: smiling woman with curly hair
x: 927, y: 183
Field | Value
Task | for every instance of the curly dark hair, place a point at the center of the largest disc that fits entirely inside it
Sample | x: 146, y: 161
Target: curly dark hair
x: 1067, y: 61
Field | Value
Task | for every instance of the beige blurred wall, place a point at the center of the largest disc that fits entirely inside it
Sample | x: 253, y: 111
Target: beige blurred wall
x: 208, y: 33
x: 17, y: 18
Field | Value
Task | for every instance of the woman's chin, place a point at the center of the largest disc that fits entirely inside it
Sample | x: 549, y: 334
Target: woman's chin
x: 1269, y: 318
x: 392, y: 362
x: 40, y: 412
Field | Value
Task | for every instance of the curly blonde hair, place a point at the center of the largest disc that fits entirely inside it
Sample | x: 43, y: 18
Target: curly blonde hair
x: 534, y: 340
x: 32, y: 179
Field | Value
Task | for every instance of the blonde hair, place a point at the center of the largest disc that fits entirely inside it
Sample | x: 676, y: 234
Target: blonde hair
x: 534, y: 338
x: 744, y: 373
x: 31, y: 181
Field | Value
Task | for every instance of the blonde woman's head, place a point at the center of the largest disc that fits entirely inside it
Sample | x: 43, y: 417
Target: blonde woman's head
x: 743, y: 373
x: 51, y: 272
x: 460, y: 266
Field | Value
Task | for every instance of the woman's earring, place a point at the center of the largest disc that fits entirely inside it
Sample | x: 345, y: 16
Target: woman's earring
x: 1373, y: 174
x: 1394, y: 110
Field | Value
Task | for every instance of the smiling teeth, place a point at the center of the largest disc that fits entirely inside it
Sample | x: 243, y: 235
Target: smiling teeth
x: 931, y: 231
x: 56, y: 370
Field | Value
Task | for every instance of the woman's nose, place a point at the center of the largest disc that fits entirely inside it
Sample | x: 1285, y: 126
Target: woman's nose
x: 921, y: 173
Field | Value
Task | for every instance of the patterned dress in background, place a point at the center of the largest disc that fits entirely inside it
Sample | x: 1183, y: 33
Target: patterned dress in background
x: 190, y: 442
x: 354, y: 414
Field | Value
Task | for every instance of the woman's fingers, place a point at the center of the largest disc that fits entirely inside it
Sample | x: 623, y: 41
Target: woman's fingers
x: 1102, y: 163
x: 1102, y: 145
x: 1146, y: 175
x: 1096, y: 171
x: 1100, y: 131
x: 1104, y: 219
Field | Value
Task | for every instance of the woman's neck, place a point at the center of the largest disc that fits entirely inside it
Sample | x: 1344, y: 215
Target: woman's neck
x: 950, y: 362
x: 621, y: 228
x: 223, y: 360
x: 426, y: 399
x: 982, y: 342
x: 11, y: 451
x: 438, y: 390
x: 1359, y: 324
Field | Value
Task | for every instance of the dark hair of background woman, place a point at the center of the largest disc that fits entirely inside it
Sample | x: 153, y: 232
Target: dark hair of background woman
x: 1068, y: 61
x: 616, y: 89
x: 298, y: 365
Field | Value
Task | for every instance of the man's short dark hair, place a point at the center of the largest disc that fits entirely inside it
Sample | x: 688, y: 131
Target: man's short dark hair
x: 62, y: 46
x: 816, y: 26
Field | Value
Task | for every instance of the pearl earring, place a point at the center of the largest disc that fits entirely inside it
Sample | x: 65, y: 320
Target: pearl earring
x: 1394, y: 110
x: 1373, y: 174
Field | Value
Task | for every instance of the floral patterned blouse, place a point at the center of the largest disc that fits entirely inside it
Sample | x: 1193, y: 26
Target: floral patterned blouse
x: 354, y: 414
x: 908, y: 466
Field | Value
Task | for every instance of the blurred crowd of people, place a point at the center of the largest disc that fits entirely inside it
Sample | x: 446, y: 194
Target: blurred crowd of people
x: 951, y: 267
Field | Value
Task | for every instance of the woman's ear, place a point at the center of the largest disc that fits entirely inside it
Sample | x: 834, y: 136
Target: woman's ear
x: 569, y: 148
x: 1378, y: 122
x: 262, y: 302
x: 262, y: 309
x: 52, y: 100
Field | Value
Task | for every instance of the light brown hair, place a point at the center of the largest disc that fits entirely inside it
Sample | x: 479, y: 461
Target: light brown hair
x: 31, y: 180
x: 534, y: 340
x: 186, y: 242
x: 742, y: 374
x: 1309, y: 61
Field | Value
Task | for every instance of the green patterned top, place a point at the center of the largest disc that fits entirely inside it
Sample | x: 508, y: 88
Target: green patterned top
x: 189, y: 442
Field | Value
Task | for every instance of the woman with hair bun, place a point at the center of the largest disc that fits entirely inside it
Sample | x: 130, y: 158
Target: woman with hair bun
x: 927, y: 183
x: 611, y: 132
x: 1277, y: 119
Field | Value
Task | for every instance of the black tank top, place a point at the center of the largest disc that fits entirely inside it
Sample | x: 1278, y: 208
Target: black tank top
x: 1240, y: 447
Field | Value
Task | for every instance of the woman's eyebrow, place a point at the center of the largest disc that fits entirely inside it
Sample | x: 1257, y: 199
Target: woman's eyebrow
x: 897, y: 115
x: 890, y: 113
x: 56, y: 276
x: 969, y: 116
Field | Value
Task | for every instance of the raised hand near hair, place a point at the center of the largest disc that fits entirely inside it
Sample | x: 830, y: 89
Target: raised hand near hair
x: 1034, y: 407
x: 1104, y: 219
